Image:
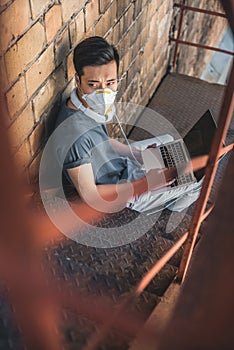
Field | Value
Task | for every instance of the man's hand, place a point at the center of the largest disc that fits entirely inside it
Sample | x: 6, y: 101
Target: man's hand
x: 137, y: 154
x: 158, y: 178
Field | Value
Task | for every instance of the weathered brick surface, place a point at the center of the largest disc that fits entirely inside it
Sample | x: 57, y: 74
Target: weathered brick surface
x: 38, y: 6
x: 22, y: 157
x: 69, y: 7
x: 36, y: 138
x: 127, y: 18
x: 76, y: 28
x: 61, y: 46
x: 11, y: 25
x: 40, y: 70
x: 16, y: 97
x: 3, y: 2
x: 103, y: 5
x: 91, y: 13
x: 33, y: 168
x: 106, y: 21
x: 48, y: 93
x: 164, y: 8
x: 198, y: 28
x: 4, y: 80
x: 122, y: 6
x: 21, y: 127
x: 70, y: 67
x: 38, y: 50
x: 24, y: 51
x: 53, y: 21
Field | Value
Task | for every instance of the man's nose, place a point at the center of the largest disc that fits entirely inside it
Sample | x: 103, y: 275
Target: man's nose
x: 102, y: 85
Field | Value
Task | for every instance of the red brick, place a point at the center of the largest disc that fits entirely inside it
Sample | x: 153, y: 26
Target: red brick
x: 4, y: 83
x: 163, y: 27
x: 116, y: 34
x: 38, y: 6
x: 70, y: 67
x: 122, y: 6
x: 126, y: 61
x: 3, y: 2
x: 91, y: 13
x: 107, y: 20
x: 16, y: 97
x: 53, y: 21
x: 76, y: 29
x: 69, y: 7
x: 62, y: 47
x: 163, y: 8
x: 37, y: 137
x: 24, y: 51
x: 148, y: 80
x: 136, y: 47
x: 21, y: 128
x: 150, y: 47
x: 138, y: 7
x: 152, y: 8
x: 128, y: 18
x: 22, y: 157
x: 48, y: 93
x: 11, y: 25
x: 34, y: 169
x: 153, y: 25
x: 103, y: 5
x: 124, y: 44
x: 40, y: 70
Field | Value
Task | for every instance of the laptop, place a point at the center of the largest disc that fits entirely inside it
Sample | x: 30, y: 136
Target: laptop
x: 196, y: 142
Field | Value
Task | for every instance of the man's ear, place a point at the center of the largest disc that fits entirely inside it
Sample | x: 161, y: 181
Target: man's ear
x: 77, y: 80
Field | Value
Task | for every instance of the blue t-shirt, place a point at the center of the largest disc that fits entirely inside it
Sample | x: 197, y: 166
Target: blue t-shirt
x: 81, y: 140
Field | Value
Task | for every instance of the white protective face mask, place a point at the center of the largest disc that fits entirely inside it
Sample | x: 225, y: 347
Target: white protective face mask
x: 101, y: 101
x: 101, y: 104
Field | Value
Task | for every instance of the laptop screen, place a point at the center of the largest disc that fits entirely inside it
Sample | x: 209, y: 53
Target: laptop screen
x: 199, y: 138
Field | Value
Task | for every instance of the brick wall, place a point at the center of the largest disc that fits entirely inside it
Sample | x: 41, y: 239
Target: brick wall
x: 36, y: 59
x: 37, y: 42
x: 199, y: 28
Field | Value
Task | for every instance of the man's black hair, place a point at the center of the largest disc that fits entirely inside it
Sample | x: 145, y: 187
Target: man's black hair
x: 94, y: 51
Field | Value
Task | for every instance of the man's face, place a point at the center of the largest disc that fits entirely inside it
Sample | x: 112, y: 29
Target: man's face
x: 99, y: 77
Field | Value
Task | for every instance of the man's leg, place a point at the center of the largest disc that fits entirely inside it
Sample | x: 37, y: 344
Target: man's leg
x: 176, y: 199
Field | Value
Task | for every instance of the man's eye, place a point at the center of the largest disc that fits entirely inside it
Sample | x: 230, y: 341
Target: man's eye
x: 92, y: 85
x: 111, y: 82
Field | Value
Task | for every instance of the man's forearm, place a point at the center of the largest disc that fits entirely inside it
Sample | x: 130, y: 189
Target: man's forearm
x: 125, y: 151
x: 124, y: 191
x: 113, y: 197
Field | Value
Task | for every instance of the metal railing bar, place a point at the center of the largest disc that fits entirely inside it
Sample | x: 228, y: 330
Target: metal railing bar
x: 178, y: 34
x: 159, y: 265
x: 196, y: 9
x: 222, y: 127
x: 189, y: 43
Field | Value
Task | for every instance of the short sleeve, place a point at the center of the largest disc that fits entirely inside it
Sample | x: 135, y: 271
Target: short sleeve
x: 79, y: 153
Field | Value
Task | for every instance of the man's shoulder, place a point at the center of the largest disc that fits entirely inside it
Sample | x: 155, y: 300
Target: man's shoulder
x: 64, y: 113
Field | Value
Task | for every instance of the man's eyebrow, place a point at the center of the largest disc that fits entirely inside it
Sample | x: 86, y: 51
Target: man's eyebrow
x: 97, y: 81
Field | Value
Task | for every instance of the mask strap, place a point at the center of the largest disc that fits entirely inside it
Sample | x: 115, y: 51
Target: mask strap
x: 76, y: 101
x: 87, y: 111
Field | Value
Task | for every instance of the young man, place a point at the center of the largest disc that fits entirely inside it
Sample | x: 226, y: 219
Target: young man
x: 103, y: 170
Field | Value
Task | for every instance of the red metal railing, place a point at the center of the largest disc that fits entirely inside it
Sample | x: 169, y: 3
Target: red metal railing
x: 178, y: 41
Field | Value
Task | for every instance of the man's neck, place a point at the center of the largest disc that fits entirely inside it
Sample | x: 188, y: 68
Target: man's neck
x: 71, y: 105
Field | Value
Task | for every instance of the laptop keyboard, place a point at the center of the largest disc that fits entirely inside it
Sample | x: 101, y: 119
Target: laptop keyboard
x: 172, y: 154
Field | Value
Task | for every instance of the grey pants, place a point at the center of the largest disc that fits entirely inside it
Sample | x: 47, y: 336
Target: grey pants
x: 176, y: 199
